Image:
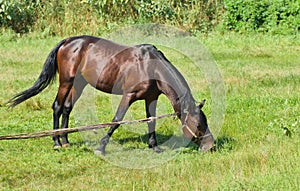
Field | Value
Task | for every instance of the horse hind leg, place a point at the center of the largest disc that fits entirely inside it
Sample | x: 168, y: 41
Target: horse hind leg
x: 57, y: 107
x: 57, y: 111
x: 72, y: 97
x: 67, y: 108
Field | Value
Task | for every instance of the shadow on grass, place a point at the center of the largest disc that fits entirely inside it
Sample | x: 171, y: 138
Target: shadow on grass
x: 170, y: 141
x: 221, y: 143
x: 144, y: 138
x: 224, y: 143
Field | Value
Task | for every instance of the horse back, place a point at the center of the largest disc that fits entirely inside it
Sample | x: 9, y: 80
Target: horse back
x: 108, y: 66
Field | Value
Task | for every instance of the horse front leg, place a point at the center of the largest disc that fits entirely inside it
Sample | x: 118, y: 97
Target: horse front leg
x: 151, y: 112
x: 126, y: 101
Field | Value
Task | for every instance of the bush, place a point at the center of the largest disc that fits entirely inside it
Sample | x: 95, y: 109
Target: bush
x: 19, y: 16
x: 277, y: 16
x: 67, y: 17
x: 70, y: 17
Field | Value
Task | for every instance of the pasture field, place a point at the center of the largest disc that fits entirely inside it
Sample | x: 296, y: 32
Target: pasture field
x: 258, y: 147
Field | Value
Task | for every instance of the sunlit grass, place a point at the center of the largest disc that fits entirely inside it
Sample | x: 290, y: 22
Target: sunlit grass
x: 253, y: 152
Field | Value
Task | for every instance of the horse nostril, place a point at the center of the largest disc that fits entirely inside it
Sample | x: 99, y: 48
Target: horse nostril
x: 205, y: 148
x: 208, y: 146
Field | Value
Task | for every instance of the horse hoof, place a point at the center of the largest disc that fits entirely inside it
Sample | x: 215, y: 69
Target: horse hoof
x: 157, y: 149
x: 99, y: 152
x: 66, y: 145
x: 56, y: 147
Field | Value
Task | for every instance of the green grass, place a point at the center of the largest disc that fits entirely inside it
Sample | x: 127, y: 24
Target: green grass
x: 254, y: 151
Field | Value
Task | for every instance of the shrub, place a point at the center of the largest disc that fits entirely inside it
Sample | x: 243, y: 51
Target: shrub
x: 66, y: 17
x: 19, y: 16
x: 69, y: 17
x: 277, y: 16
x: 191, y: 15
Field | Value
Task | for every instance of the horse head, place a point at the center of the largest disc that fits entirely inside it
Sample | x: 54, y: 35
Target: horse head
x: 195, y: 128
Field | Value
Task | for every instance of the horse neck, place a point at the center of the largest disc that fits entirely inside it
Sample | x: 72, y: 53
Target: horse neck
x: 182, y: 104
x: 173, y: 85
x: 179, y: 94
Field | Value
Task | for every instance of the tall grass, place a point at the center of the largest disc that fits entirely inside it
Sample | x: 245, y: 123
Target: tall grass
x: 66, y: 17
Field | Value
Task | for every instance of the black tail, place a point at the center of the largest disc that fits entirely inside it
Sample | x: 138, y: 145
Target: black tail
x: 47, y: 75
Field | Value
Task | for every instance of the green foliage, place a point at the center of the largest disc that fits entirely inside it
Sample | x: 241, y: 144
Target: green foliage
x: 192, y: 15
x: 277, y: 16
x: 19, y: 16
x: 67, y: 17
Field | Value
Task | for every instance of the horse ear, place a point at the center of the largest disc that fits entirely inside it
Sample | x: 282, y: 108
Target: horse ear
x: 202, y: 103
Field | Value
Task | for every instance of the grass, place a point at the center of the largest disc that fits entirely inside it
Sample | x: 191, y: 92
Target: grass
x: 257, y: 147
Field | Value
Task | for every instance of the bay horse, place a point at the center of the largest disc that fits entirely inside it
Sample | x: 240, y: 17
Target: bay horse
x: 139, y: 72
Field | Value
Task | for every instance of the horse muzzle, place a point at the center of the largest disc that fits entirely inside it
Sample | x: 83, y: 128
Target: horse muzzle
x: 207, y: 142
